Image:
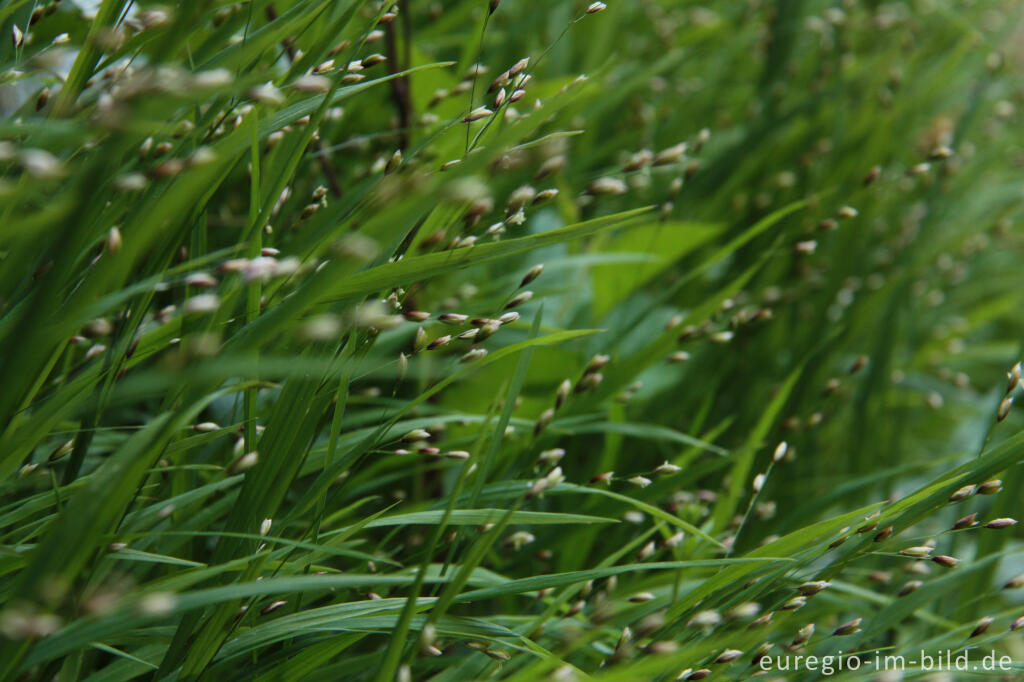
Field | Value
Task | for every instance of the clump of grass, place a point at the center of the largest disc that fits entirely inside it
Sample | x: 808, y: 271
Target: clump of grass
x: 409, y: 340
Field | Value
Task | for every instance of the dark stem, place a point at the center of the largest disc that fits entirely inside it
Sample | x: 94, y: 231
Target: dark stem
x: 400, y: 86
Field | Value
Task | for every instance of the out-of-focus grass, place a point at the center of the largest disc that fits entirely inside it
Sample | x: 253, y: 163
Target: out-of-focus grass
x: 287, y: 395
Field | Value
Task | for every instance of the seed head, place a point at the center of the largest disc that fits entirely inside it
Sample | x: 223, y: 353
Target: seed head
x: 486, y: 331
x: 519, y: 299
x: 607, y: 186
x: 415, y: 435
x: 157, y: 604
x: 201, y: 304
x: 532, y: 274
x: 640, y: 159
x: 962, y: 493
x: 674, y: 540
x: 696, y: 674
x: 519, y: 67
x: 1004, y: 408
x: 1013, y: 377
x: 803, y: 635
x: 678, y: 357
x: 594, y: 8
x: 266, y: 94
x: 640, y: 481
x: 780, y: 451
x: 846, y: 212
x: 940, y: 152
x: 908, y: 587
x: 758, y: 483
x: 606, y: 477
x: 549, y: 168
x: 501, y: 81
x: 265, y: 527
x: 520, y: 198
x: 452, y: 318
x: 705, y: 619
x: 246, y: 461
x: 794, y: 604
x: 671, y: 155
x: 494, y: 6
x: 872, y: 175
x: 721, y: 337
x: 813, y: 587
x: 562, y: 393
x: 884, y: 534
x: 474, y: 354
x: 849, y: 628
x: 981, y: 627
x: 543, y: 421
x: 420, y: 340
x: 761, y: 621
x: 805, y: 247
x: 551, y: 456
x: 519, y: 538
x: 589, y: 382
x: 868, y: 527
x: 114, y: 240
x: 646, y: 551
x: 1017, y: 624
x: 728, y: 655
x: 919, y: 552
x: 990, y: 487
x: 641, y: 597
x: 667, y: 468
x: 998, y: 524
x: 947, y: 561
x: 394, y: 162
x: 477, y: 114
x: 1015, y: 583
x: 545, y: 194
x: 439, y: 341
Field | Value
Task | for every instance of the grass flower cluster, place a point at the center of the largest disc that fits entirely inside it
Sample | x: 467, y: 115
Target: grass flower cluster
x: 494, y: 339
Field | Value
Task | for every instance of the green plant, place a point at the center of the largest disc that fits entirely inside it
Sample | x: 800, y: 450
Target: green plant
x: 362, y: 340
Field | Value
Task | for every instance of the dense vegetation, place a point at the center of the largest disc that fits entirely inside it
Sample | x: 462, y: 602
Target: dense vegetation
x: 529, y: 340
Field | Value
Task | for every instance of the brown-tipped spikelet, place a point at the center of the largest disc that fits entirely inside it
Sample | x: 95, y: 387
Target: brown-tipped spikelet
x: 1004, y: 408
x: 562, y: 393
x: 909, y: 587
x: 803, y: 635
x: 532, y: 274
x: 962, y: 493
x: 728, y: 656
x: 981, y: 627
x: 990, y: 487
x: 1015, y: 583
x: 519, y: 299
x: 813, y: 587
x: 848, y: 628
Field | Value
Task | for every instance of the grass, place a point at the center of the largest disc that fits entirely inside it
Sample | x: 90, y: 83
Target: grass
x: 465, y: 340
